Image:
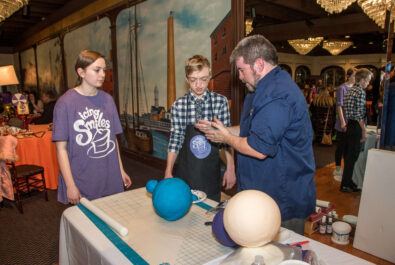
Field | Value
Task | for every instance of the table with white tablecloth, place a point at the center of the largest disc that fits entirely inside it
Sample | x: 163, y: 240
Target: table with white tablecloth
x: 157, y: 241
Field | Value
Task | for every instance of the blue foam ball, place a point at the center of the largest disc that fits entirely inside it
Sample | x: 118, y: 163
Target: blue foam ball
x: 219, y: 230
x: 172, y: 198
x: 150, y: 186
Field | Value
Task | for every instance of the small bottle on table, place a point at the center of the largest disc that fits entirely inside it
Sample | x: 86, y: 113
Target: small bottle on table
x: 323, y: 225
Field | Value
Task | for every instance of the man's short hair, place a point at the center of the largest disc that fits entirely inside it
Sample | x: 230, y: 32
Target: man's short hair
x: 196, y: 63
x: 50, y: 93
x: 254, y: 47
x: 362, y: 73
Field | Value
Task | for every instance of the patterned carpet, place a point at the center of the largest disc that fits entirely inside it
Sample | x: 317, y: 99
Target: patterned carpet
x: 32, y: 238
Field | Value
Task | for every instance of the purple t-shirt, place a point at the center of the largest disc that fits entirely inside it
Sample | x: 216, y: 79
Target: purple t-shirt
x: 340, y: 92
x: 89, y: 125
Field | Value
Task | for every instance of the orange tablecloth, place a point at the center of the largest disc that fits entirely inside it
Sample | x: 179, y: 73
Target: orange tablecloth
x: 42, y: 152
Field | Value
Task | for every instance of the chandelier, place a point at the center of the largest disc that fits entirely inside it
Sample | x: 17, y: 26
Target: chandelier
x: 335, y: 6
x: 9, y: 7
x: 335, y: 47
x: 376, y: 9
x: 248, y: 26
x: 304, y: 46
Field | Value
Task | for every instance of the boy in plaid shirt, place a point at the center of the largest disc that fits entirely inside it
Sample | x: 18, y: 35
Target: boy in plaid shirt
x: 198, y: 159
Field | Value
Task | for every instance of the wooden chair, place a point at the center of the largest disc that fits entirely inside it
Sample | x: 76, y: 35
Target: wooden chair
x: 26, y: 177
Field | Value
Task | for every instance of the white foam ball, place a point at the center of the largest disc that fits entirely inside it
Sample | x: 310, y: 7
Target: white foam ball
x: 252, y: 218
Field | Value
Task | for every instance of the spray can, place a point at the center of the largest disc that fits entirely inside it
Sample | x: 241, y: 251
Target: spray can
x: 329, y: 229
x: 323, y: 225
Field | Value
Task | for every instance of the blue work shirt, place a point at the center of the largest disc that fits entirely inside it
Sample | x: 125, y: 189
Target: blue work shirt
x: 276, y: 122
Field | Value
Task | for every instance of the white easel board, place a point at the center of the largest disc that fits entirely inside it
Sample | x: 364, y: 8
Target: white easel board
x: 375, y: 232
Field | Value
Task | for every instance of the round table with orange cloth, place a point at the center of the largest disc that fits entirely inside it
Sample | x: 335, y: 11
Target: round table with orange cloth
x: 40, y: 151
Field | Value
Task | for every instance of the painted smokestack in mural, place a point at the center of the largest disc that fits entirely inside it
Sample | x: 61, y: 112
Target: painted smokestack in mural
x: 171, y: 76
x: 156, y: 96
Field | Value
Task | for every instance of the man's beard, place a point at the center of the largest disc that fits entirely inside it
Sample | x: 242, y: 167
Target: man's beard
x: 252, y: 87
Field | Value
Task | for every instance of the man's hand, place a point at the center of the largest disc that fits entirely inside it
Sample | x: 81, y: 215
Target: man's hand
x: 203, y: 126
x: 344, y: 127
x: 215, y: 131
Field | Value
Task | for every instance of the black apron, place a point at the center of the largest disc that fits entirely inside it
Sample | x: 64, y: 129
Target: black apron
x: 199, y: 162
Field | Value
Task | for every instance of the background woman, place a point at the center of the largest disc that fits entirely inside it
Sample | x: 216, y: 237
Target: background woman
x: 85, y: 126
x: 321, y: 105
x: 36, y: 105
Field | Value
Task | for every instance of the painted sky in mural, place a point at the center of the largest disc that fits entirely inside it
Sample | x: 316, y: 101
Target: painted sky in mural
x: 194, y: 21
x: 94, y: 36
x: 49, y: 60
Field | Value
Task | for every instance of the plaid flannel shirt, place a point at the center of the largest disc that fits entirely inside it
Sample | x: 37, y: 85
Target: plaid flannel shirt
x: 354, y: 103
x: 213, y: 104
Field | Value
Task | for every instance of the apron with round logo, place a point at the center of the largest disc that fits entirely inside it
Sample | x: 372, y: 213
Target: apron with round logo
x: 199, y: 162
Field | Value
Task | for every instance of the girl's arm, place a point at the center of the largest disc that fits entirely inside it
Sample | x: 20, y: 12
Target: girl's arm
x: 73, y: 194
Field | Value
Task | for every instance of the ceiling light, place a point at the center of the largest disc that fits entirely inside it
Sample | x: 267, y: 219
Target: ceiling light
x: 347, y: 36
x: 335, y: 6
x: 248, y: 25
x: 9, y: 7
x: 304, y: 46
x: 376, y: 9
x: 335, y: 47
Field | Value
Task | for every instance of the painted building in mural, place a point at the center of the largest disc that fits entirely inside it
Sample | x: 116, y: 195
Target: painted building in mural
x: 221, y: 40
x: 108, y: 84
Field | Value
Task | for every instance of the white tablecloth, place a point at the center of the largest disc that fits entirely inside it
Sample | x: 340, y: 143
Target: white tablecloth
x: 81, y: 242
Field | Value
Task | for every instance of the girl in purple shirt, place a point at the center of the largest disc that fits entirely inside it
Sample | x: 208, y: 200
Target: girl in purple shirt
x: 85, y: 125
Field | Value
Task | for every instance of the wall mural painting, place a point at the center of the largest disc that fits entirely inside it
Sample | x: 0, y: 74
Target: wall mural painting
x: 28, y: 65
x: 94, y: 36
x: 49, y: 60
x: 143, y: 96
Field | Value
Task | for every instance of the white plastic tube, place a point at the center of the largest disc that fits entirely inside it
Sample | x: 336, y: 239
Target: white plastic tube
x: 123, y: 231
x: 322, y: 203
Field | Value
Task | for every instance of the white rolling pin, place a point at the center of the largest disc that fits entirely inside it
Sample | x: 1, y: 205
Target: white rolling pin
x: 123, y: 231
x: 322, y: 203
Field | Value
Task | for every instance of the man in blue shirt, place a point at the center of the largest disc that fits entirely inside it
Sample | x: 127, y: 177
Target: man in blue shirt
x: 274, y: 139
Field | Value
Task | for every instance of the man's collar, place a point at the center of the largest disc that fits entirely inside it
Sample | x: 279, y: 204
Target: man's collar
x: 267, y: 76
